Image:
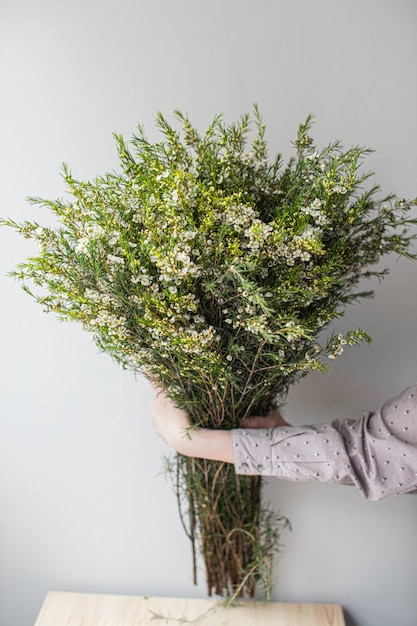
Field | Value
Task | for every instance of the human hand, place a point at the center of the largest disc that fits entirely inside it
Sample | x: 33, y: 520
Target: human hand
x: 169, y: 422
x: 272, y: 420
x: 173, y: 426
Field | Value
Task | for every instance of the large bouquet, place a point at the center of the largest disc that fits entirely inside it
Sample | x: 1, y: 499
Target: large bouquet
x: 213, y: 271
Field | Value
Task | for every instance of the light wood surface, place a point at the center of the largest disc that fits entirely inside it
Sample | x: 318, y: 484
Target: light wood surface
x: 85, y: 609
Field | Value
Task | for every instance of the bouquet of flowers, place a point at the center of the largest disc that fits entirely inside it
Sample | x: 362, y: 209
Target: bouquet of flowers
x: 213, y: 271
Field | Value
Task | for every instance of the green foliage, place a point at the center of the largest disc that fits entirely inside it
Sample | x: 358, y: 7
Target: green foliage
x: 213, y: 269
x: 200, y: 256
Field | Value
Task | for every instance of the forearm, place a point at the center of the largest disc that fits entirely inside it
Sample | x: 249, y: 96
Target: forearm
x: 175, y: 428
x: 201, y: 443
x: 356, y: 452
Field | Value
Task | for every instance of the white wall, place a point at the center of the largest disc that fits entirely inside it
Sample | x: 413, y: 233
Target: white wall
x: 82, y: 504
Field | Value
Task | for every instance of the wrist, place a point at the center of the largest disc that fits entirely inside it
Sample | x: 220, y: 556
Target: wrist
x: 215, y: 445
x: 184, y: 440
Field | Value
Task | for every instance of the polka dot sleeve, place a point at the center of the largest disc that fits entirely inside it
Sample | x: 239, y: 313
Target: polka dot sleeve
x: 377, y: 453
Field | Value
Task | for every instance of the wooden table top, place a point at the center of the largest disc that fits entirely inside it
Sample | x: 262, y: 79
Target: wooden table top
x: 86, y: 609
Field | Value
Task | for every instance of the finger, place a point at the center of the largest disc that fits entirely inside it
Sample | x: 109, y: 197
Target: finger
x: 155, y: 386
x: 151, y: 378
x: 251, y: 422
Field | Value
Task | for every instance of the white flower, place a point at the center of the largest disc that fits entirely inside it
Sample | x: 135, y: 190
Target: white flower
x: 322, y: 220
x: 82, y: 245
x: 145, y: 280
x: 114, y: 260
x: 311, y: 232
x: 94, y: 230
x: 114, y: 238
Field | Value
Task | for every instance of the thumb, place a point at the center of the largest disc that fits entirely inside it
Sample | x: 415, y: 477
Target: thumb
x: 254, y: 421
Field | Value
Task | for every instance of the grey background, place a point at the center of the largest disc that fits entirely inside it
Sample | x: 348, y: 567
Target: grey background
x: 83, y: 504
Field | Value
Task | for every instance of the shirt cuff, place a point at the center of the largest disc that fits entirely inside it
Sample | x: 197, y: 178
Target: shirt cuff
x: 295, y: 453
x: 252, y: 452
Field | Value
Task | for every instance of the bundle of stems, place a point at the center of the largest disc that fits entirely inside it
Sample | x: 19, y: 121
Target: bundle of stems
x: 225, y: 515
x: 214, y: 271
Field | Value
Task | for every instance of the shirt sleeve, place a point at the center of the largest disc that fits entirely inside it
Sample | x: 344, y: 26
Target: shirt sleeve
x: 377, y: 453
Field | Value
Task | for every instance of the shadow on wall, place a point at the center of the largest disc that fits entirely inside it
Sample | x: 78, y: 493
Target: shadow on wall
x: 349, y: 621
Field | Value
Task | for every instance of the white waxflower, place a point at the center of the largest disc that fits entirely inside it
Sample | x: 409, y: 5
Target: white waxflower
x: 94, y: 230
x: 322, y: 219
x: 311, y: 232
x: 82, y: 245
x: 114, y: 260
x: 145, y: 280
x: 316, y: 204
x: 339, y: 189
x: 114, y: 238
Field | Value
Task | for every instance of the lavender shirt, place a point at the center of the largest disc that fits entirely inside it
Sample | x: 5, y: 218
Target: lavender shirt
x: 377, y: 453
